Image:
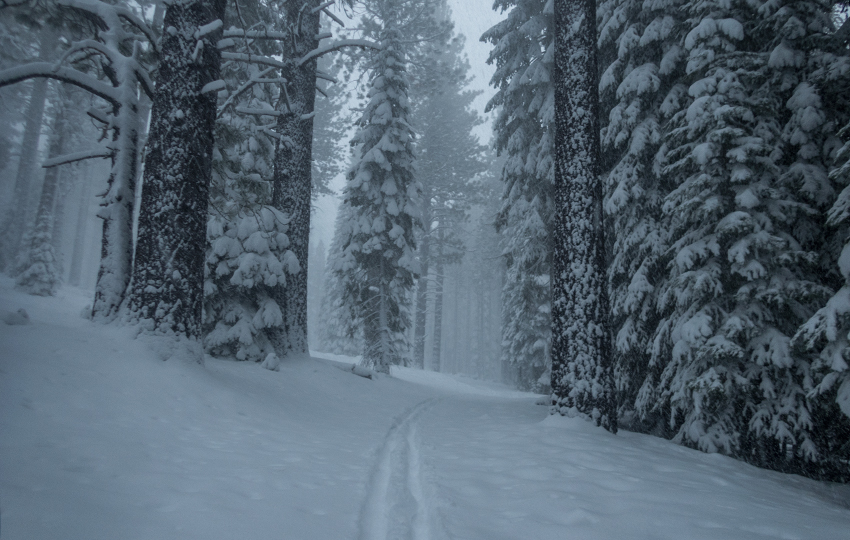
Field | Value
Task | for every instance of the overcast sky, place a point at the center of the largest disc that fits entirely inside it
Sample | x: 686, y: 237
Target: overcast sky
x: 472, y: 18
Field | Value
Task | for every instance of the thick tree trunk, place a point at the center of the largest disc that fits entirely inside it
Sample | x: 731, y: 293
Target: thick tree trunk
x: 292, y: 174
x: 168, y: 274
x: 582, y: 379
x: 16, y: 221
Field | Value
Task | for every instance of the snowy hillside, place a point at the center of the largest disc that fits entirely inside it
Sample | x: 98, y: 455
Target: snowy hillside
x: 99, y: 439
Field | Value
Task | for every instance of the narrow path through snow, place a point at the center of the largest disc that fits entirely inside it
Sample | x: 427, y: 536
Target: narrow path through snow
x: 398, y: 504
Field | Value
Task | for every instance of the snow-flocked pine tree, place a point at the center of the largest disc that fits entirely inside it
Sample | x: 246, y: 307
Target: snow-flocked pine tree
x: 379, y: 253
x: 525, y: 101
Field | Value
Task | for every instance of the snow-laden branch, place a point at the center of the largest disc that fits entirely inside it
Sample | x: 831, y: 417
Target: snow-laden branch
x: 48, y: 70
x: 254, y: 80
x: 78, y: 156
x: 334, y: 17
x: 258, y: 112
x: 322, y: 7
x: 337, y: 45
x: 105, y: 11
x: 253, y: 59
x: 233, y: 32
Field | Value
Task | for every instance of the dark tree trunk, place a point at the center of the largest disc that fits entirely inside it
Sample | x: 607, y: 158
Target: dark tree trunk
x: 168, y: 274
x: 292, y: 174
x: 582, y: 379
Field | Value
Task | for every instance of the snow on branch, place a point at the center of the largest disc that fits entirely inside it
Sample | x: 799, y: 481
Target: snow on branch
x: 258, y: 112
x: 337, y: 45
x: 334, y: 17
x: 322, y: 7
x: 254, y: 34
x: 243, y: 88
x: 77, y: 156
x: 105, y: 12
x: 208, y: 28
x: 48, y: 70
x: 253, y: 59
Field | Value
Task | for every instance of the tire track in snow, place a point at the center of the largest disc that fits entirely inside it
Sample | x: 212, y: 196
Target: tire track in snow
x: 397, y: 505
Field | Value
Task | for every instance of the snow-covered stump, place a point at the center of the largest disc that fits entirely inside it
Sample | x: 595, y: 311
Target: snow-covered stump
x: 582, y: 380
x: 166, y: 294
x: 292, y: 171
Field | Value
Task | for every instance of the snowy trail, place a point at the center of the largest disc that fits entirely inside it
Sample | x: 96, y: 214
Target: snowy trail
x: 397, y: 505
x: 100, y: 439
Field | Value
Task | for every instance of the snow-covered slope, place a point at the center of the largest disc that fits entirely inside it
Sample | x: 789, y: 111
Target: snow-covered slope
x: 100, y: 439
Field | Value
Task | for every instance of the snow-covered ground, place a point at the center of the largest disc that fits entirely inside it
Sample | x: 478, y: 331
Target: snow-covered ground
x: 99, y: 439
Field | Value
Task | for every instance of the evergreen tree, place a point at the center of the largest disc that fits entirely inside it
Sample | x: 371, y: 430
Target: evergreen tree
x: 247, y: 252
x: 342, y: 331
x: 745, y: 156
x: 642, y: 85
x: 525, y: 102
x: 379, y: 252
x: 449, y: 158
x: 38, y: 271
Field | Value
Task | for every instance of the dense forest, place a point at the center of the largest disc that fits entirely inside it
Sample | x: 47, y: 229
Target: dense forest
x: 656, y: 236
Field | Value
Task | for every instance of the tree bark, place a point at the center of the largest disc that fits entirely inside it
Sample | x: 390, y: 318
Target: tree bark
x: 422, y: 286
x: 292, y: 172
x: 582, y: 379
x: 168, y: 274
x: 439, y: 281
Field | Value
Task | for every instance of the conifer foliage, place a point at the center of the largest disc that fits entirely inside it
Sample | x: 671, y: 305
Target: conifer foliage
x: 523, y: 129
x: 379, y: 251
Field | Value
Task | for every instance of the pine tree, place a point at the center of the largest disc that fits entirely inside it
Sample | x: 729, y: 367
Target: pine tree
x: 341, y: 331
x: 642, y: 85
x: 247, y: 258
x: 525, y: 102
x: 38, y: 272
x: 449, y: 159
x: 745, y: 158
x: 379, y: 252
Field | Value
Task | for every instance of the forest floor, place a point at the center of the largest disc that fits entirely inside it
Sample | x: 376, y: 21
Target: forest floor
x: 100, y: 439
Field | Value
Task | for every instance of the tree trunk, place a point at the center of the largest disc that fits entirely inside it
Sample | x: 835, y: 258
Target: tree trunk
x: 582, y: 380
x: 16, y: 222
x: 439, y: 281
x: 422, y: 287
x: 292, y: 173
x: 63, y: 190
x: 81, y: 230
x: 168, y: 274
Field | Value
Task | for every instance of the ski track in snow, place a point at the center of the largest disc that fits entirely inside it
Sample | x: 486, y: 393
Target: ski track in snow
x: 398, y: 505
